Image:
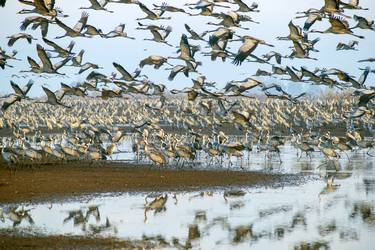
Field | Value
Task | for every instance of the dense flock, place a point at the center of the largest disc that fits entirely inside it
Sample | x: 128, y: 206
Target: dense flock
x: 90, y: 120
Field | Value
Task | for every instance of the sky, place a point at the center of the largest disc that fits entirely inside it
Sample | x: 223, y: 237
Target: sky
x: 273, y: 19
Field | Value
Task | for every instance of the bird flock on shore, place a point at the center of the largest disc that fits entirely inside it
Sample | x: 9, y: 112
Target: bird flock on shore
x: 88, y: 120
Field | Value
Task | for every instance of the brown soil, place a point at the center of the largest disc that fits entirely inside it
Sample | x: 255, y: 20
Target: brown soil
x: 65, y: 181
x: 70, y: 242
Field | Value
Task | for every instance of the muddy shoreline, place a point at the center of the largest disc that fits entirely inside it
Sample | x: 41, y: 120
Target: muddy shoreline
x: 69, y: 180
x: 69, y: 242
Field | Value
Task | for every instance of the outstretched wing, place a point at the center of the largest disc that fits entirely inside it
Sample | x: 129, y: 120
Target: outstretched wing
x: 332, y: 4
x: 16, y: 88
x: 65, y: 27
x: 33, y: 63
x: 95, y: 3
x: 81, y: 23
x: 62, y: 63
x: 157, y: 35
x: 44, y: 57
x: 364, y: 76
x: 311, y: 20
x: 175, y: 71
x: 13, y: 39
x: 41, y: 6
x: 125, y: 74
x: 120, y: 28
x: 298, y: 48
x: 241, y: 4
x: 52, y: 44
x: 50, y: 95
x: 185, y: 47
x: 293, y: 29
x: 338, y: 22
x: 28, y: 86
x: 27, y: 2
x: 13, y: 99
x: 145, y: 9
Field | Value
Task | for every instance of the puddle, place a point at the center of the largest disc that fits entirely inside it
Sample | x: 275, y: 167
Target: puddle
x: 310, y: 214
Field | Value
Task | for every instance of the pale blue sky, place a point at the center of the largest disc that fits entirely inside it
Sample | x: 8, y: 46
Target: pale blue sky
x: 274, y: 17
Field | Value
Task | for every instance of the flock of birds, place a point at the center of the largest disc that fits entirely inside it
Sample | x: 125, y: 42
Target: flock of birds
x: 91, y: 118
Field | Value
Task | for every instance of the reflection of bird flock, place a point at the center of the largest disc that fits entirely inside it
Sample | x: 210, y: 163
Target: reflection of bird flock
x: 167, y: 128
x: 94, y: 220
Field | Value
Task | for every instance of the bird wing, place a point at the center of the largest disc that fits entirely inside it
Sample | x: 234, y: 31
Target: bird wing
x: 235, y: 16
x: 49, y: 4
x: 14, y: 38
x: 70, y: 46
x: 78, y: 59
x: 338, y: 22
x: 95, y: 3
x: 278, y: 58
x: 157, y: 35
x: 145, y: 61
x: 352, y: 43
x: 28, y: 86
x: 54, y: 45
x: 354, y: 2
x: 84, y: 67
x: 44, y: 26
x: 44, y: 57
x: 340, y: 46
x: 168, y: 30
x: 185, y: 47
x: 31, y: 3
x: 364, y: 75
x: 64, y: 26
x: 298, y: 48
x: 65, y: 87
x: 331, y: 4
x: 249, y: 84
x: 244, y: 51
x: 239, y: 116
x: 146, y: 10
x: 9, y: 102
x: 120, y: 28
x: 33, y: 63
x: 241, y: 4
x: 16, y: 89
x: 81, y: 23
x: 291, y: 73
x: 175, y: 71
x: 192, y: 95
x: 364, y: 99
x: 125, y: 74
x: 310, y: 21
x: 50, y: 95
x: 228, y: 20
x: 58, y: 65
x: 187, y: 27
x: 359, y: 18
x: 293, y: 29
x: 27, y: 21
x: 41, y: 6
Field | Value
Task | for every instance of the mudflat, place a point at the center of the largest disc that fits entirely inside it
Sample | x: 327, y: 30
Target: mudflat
x: 70, y: 242
x: 48, y: 182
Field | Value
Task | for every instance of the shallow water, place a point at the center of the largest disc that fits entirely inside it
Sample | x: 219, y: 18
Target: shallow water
x: 340, y: 217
